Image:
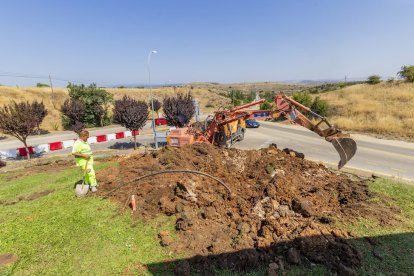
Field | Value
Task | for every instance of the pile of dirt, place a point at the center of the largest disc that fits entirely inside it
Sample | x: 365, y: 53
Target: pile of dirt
x: 281, y: 210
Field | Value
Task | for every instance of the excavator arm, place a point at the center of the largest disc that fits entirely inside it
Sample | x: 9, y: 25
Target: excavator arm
x: 344, y: 145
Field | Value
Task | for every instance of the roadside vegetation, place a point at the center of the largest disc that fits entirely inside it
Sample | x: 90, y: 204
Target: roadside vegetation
x: 53, y: 101
x: 386, y: 108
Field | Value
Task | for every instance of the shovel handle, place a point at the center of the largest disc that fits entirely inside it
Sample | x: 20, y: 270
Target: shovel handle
x: 86, y: 168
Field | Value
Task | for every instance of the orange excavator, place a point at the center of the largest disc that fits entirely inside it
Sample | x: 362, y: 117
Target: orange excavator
x: 226, y: 127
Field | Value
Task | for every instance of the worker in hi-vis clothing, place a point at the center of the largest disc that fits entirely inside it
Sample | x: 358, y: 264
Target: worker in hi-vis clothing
x: 83, y: 157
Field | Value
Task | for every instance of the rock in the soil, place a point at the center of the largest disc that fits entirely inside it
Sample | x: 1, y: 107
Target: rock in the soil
x: 186, y: 190
x: 259, y: 211
x: 275, y: 204
x: 272, y: 269
x: 283, y: 210
x: 346, y: 271
x: 293, y: 153
x: 303, y: 207
x: 7, y: 258
x: 280, y: 172
x: 293, y: 256
x: 166, y: 205
x: 182, y: 269
x: 165, y: 238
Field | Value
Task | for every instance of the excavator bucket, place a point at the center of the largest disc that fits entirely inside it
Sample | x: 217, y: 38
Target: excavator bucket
x: 346, y: 147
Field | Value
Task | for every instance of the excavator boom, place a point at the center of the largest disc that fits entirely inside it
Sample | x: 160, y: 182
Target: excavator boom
x: 342, y: 142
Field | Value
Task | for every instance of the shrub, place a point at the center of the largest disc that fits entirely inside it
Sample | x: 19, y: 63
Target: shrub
x: 303, y: 98
x: 407, y: 73
x: 374, y: 79
x: 266, y: 105
x: 131, y: 114
x: 94, y: 99
x: 317, y: 105
x: 39, y: 84
x: 209, y: 104
x: 179, y: 109
x: 320, y: 106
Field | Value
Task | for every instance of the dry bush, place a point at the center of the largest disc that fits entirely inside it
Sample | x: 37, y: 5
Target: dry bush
x: 386, y: 108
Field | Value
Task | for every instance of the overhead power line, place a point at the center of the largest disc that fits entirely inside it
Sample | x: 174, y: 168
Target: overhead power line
x: 30, y: 76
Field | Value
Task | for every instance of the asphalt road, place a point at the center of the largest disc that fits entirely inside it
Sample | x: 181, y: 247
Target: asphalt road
x: 382, y: 157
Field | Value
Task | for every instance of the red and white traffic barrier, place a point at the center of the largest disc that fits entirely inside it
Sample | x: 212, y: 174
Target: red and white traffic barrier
x: 59, y: 145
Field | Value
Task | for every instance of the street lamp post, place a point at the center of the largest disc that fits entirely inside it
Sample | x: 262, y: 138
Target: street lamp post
x: 152, y: 97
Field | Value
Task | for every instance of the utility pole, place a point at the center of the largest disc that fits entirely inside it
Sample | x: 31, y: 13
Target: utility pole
x: 53, y: 95
x: 152, y: 97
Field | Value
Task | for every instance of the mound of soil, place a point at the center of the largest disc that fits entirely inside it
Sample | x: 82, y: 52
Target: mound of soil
x: 280, y: 210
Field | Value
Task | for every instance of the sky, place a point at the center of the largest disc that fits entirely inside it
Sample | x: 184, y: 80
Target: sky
x: 226, y: 41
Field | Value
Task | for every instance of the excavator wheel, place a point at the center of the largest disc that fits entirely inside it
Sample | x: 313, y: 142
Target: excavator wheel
x: 241, y: 132
x: 221, y: 139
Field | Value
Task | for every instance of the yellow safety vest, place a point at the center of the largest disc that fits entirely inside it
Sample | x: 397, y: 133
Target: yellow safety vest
x: 83, y: 148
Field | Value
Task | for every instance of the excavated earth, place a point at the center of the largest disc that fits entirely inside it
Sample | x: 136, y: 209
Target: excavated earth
x: 281, y: 210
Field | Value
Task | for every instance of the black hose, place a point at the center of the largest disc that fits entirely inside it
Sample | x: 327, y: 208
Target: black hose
x: 171, y: 171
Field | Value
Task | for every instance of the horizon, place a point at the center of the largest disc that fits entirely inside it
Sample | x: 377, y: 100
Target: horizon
x: 108, y: 42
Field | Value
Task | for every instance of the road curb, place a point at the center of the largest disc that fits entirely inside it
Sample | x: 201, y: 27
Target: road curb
x: 362, y: 172
x: 65, y: 144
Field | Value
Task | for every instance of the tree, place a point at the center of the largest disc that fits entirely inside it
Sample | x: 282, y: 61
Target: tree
x: 374, y: 79
x: 407, y: 73
x: 157, y: 105
x: 131, y: 114
x: 73, y: 112
x: 91, y: 96
x: 19, y: 120
x: 39, y: 84
x: 40, y: 112
x: 178, y: 109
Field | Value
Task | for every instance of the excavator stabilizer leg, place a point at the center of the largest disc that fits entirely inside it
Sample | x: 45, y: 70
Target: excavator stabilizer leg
x: 346, y: 147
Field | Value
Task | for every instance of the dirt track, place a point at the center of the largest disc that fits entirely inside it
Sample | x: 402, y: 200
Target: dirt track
x: 282, y: 210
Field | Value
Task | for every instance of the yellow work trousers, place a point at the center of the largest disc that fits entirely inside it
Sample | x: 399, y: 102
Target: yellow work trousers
x: 90, y: 177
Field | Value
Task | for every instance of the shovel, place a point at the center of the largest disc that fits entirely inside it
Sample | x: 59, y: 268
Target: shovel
x: 82, y: 189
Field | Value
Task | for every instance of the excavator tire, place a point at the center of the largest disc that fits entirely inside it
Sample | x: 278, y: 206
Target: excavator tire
x: 241, y: 132
x: 221, y: 139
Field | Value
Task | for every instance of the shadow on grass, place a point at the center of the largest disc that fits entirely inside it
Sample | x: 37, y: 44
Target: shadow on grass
x: 316, y: 255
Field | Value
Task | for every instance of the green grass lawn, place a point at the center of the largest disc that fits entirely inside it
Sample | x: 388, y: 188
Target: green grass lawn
x: 59, y: 234
x: 394, y: 246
